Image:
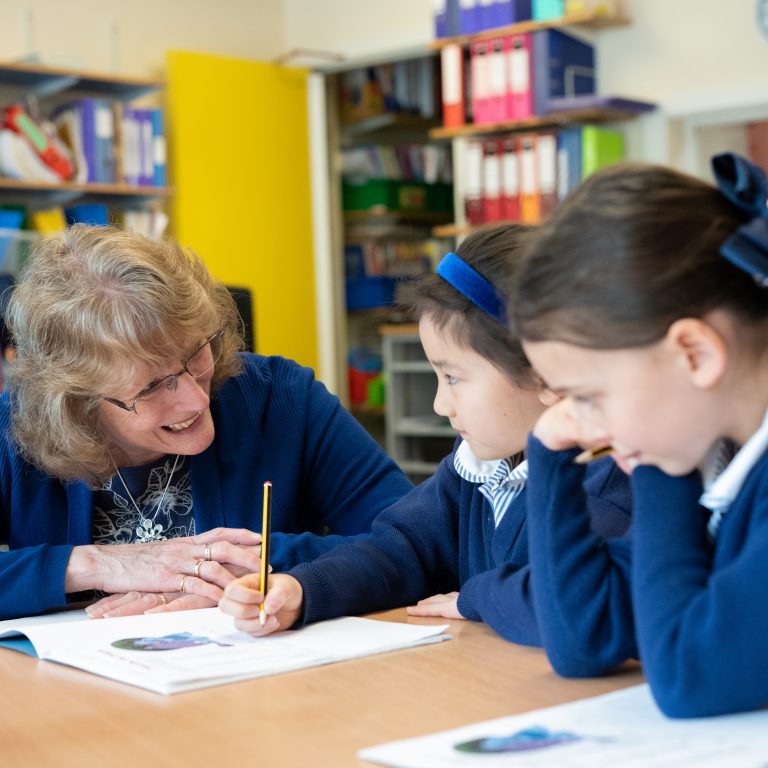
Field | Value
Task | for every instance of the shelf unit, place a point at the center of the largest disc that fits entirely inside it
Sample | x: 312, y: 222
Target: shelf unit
x: 416, y: 438
x: 594, y: 20
x: 18, y: 80
x: 378, y: 225
x: 383, y: 215
x: 52, y: 86
x: 553, y: 120
x: 387, y: 127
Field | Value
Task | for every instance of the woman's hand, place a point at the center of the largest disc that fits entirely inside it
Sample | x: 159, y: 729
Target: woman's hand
x: 134, y: 603
x: 437, y: 605
x: 283, y: 603
x: 199, y: 565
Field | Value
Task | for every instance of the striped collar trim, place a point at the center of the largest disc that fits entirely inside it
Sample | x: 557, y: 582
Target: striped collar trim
x: 494, y: 474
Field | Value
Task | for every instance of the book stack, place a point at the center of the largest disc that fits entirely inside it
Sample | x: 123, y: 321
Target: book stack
x: 415, y: 162
x: 468, y: 17
x: 523, y: 177
x: 514, y: 77
x: 114, y: 143
x: 401, y: 87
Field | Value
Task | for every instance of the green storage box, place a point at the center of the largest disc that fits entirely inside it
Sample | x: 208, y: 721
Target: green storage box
x: 396, y: 195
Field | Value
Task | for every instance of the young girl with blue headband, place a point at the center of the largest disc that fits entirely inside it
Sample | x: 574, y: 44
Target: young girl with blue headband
x: 457, y: 545
x: 644, y: 305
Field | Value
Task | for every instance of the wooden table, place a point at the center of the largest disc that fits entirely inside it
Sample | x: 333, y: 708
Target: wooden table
x: 58, y: 716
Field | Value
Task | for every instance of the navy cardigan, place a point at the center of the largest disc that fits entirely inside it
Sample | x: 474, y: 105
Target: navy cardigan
x: 441, y: 538
x: 273, y: 421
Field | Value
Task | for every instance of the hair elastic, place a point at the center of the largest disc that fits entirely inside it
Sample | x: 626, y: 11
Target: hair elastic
x: 470, y: 283
x: 744, y: 185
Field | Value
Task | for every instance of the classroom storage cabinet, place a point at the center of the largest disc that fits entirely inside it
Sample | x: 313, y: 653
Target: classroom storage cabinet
x: 416, y: 437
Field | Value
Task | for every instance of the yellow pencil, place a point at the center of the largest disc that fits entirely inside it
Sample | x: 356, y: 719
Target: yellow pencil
x: 266, y: 522
x: 593, y: 453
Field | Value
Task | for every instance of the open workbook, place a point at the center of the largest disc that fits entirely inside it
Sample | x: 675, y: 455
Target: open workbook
x: 624, y: 728
x: 184, y: 650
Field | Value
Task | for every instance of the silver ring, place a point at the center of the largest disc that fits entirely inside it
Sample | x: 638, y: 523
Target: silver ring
x: 207, y: 552
x: 197, y: 568
x: 181, y: 584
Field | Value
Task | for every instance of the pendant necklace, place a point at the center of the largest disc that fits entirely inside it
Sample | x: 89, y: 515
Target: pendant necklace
x: 146, y: 525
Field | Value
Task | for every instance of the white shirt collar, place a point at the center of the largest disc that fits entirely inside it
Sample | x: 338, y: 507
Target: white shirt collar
x: 723, y: 490
x: 478, y: 471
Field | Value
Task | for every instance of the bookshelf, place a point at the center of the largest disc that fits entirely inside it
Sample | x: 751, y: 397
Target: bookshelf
x: 593, y: 20
x: 532, y: 151
x: 552, y: 120
x: 389, y: 127
x: 18, y: 80
x: 385, y: 204
x: 50, y: 87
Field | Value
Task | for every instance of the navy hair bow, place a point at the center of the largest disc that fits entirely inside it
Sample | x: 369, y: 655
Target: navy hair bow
x: 745, y: 185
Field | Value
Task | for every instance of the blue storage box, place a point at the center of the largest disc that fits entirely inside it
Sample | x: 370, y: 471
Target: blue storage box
x: 88, y: 213
x: 10, y: 222
x: 10, y: 219
x: 370, y: 292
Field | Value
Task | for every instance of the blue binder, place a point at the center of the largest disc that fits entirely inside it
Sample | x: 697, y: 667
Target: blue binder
x: 563, y: 66
x: 568, y: 161
x: 438, y: 17
x: 104, y: 133
x: 512, y: 11
x: 158, y: 147
x: 86, y: 109
x: 469, y: 13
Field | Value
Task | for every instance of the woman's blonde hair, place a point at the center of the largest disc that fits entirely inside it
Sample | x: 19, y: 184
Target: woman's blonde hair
x: 91, y: 305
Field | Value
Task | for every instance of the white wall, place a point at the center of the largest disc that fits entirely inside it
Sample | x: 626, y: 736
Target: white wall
x: 357, y: 28
x: 131, y: 36
x: 674, y: 50
x: 683, y: 52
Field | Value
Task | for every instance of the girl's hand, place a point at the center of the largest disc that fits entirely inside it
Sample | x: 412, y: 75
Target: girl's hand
x: 283, y: 603
x: 558, y: 429
x: 437, y: 605
x: 200, y: 565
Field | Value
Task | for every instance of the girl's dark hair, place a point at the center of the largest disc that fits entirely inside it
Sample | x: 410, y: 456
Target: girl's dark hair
x: 493, y: 251
x: 632, y: 250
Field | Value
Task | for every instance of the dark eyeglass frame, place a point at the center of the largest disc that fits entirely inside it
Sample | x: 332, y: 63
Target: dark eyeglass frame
x: 171, y: 380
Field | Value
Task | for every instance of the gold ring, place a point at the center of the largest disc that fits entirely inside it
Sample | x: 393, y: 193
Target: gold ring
x: 207, y: 553
x: 197, y: 568
x: 181, y: 584
x: 163, y: 598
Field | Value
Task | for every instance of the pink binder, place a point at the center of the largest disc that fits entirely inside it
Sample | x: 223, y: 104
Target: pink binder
x: 480, y: 77
x: 496, y: 95
x: 519, y: 51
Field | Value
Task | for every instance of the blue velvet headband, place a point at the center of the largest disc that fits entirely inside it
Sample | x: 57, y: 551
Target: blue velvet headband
x: 470, y: 283
x: 744, y: 184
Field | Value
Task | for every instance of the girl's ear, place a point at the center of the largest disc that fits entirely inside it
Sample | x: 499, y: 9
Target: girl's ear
x: 547, y: 396
x: 700, y: 348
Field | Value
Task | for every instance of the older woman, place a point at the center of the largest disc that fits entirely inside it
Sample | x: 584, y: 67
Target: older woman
x: 135, y: 437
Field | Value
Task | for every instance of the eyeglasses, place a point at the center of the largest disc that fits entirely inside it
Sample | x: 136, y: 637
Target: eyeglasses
x: 200, y: 362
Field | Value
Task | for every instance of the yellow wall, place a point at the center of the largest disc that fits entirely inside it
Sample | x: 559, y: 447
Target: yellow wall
x: 239, y: 160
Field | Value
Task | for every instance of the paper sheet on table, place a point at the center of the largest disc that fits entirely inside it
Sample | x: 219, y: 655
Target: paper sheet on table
x: 183, y: 650
x: 623, y: 728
